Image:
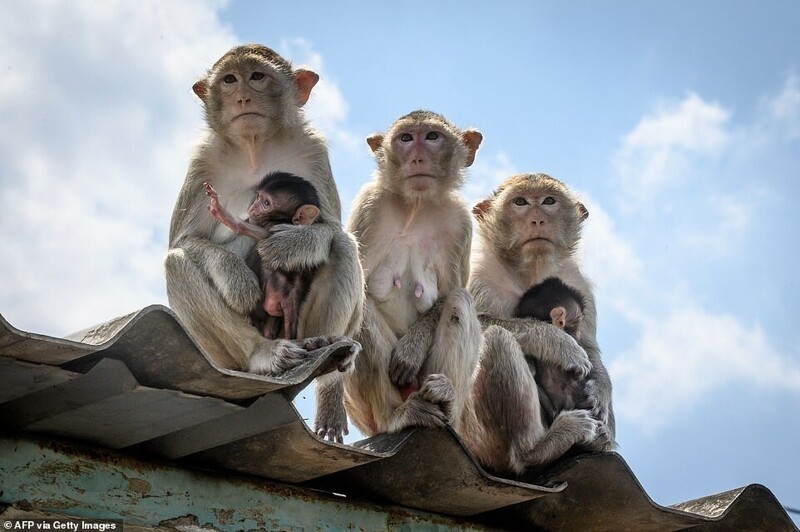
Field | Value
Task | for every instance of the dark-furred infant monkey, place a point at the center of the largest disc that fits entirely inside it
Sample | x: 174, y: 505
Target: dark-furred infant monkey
x: 555, y: 302
x: 281, y: 198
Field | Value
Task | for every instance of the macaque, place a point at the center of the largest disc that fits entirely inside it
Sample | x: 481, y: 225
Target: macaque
x: 414, y: 234
x: 253, y: 101
x: 554, y: 302
x: 529, y: 230
x: 280, y: 198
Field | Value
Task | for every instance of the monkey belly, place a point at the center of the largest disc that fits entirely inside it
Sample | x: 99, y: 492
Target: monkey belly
x: 400, y: 298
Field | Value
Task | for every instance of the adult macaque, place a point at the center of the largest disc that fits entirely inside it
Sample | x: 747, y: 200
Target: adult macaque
x: 529, y: 230
x: 280, y: 198
x: 252, y: 99
x: 554, y: 302
x: 414, y: 233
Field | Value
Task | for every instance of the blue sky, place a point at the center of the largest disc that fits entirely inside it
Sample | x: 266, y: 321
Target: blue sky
x: 678, y: 123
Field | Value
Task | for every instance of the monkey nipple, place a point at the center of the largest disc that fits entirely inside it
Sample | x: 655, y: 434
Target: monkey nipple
x: 397, y: 284
x: 418, y: 291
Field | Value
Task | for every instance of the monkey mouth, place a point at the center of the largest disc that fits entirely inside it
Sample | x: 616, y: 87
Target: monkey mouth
x: 237, y: 117
x: 538, y: 239
x: 420, y: 175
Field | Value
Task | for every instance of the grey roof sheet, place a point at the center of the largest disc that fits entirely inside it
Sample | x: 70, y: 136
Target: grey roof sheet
x: 146, y: 369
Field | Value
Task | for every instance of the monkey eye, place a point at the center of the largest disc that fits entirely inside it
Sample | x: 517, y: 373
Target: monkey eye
x: 406, y: 137
x: 230, y: 78
x: 256, y: 76
x: 520, y: 201
x: 549, y: 200
x: 432, y: 136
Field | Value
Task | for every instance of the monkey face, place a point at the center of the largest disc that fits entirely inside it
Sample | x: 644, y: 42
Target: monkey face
x: 266, y: 209
x: 246, y: 96
x: 252, y: 92
x: 529, y: 217
x: 424, y: 155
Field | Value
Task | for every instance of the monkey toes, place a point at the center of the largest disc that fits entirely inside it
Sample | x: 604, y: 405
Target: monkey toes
x: 276, y: 357
x: 580, y: 423
x: 438, y: 390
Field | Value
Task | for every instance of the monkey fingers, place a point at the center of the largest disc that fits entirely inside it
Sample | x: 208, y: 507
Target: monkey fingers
x: 404, y: 365
x: 210, y: 192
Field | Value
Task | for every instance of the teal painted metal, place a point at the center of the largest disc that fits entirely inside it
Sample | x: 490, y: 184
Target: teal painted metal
x: 92, y: 483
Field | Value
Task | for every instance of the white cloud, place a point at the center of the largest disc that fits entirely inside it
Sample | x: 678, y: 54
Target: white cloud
x: 660, y: 150
x: 487, y: 173
x: 733, y: 219
x: 103, y: 121
x: 327, y: 108
x: 782, y: 111
x: 683, y: 357
x: 609, y: 260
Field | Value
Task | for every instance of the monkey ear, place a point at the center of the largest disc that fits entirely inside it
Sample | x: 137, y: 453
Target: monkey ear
x: 200, y: 88
x: 305, y: 80
x: 305, y: 215
x: 482, y: 209
x: 375, y: 142
x: 558, y: 317
x: 582, y: 210
x: 472, y: 140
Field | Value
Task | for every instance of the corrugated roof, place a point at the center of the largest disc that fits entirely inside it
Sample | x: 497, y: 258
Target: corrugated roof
x: 145, y: 368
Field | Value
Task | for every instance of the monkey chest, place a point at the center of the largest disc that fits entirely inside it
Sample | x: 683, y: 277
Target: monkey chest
x: 406, y: 276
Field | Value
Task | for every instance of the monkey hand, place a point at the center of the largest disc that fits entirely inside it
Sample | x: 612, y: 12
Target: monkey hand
x: 274, y: 357
x: 296, y: 247
x: 574, y: 360
x: 406, y: 360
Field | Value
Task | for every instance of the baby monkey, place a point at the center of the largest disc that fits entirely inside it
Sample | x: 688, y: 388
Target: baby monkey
x: 281, y: 198
x: 555, y: 302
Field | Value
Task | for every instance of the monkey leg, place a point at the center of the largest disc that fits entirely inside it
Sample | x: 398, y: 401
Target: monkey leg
x: 226, y: 336
x: 506, y: 401
x: 370, y: 396
x: 506, y: 404
x: 333, y: 307
x: 455, y: 349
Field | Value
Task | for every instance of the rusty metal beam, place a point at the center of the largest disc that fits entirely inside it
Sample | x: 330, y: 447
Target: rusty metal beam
x: 87, y: 482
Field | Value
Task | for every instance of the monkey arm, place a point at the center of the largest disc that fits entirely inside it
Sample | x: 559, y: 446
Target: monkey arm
x: 297, y: 247
x: 411, y: 350
x: 237, y: 284
x: 544, y: 342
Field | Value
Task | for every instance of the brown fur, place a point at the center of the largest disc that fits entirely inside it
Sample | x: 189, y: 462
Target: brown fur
x: 420, y: 333
x: 253, y: 98
x: 529, y: 229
